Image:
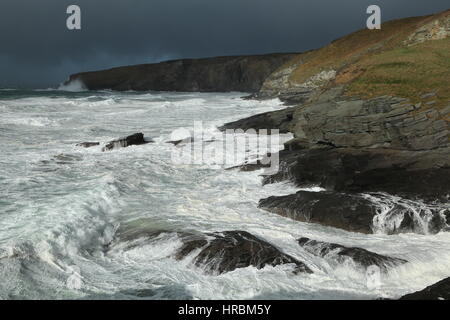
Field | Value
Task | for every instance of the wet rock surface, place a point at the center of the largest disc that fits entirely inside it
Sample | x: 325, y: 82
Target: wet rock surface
x: 364, y: 213
x: 438, y: 291
x: 339, y: 210
x: 340, y: 253
x: 266, y: 121
x: 230, y: 250
x: 132, y: 140
x: 215, y: 253
x: 412, y: 174
x: 88, y: 144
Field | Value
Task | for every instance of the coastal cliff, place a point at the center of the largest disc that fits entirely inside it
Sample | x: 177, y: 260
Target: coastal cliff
x: 370, y: 119
x: 221, y: 74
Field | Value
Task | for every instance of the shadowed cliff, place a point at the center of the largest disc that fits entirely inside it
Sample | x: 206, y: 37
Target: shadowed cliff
x: 221, y: 74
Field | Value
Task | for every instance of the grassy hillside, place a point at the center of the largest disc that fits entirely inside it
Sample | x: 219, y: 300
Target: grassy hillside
x: 396, y: 60
x: 408, y: 72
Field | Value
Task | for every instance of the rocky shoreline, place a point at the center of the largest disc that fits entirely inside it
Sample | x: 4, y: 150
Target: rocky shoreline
x: 383, y: 162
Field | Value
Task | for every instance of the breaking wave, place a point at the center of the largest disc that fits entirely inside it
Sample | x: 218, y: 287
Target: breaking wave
x: 73, y: 86
x: 62, y: 207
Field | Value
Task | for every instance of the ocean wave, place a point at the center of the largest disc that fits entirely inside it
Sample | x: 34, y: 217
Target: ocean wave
x: 73, y: 86
x: 30, y: 121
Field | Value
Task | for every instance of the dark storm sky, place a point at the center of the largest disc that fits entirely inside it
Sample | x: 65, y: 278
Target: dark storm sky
x: 37, y: 50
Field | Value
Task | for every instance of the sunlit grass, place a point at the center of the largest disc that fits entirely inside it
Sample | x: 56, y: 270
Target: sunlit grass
x: 408, y: 72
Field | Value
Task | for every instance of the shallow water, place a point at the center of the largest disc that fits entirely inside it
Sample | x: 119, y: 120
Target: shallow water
x: 62, y: 204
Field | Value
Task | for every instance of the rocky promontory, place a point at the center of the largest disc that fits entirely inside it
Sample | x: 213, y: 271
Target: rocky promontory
x: 370, y: 121
x: 221, y: 74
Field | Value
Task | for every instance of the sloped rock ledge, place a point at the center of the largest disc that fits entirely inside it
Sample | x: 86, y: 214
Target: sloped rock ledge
x: 438, y: 291
x: 341, y: 254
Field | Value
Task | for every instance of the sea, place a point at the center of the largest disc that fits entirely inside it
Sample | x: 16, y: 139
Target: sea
x: 62, y: 205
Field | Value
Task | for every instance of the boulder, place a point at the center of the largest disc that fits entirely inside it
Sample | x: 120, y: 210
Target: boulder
x: 364, y: 213
x: 87, y: 144
x: 339, y: 210
x: 438, y: 291
x: 133, y: 140
x: 222, y: 252
x: 215, y: 253
x: 269, y: 120
x: 340, y: 254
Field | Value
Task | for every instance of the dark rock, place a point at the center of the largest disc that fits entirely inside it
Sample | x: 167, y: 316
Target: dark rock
x: 411, y: 174
x: 297, y: 144
x: 339, y: 210
x: 216, y: 253
x: 360, y: 256
x: 359, y: 213
x: 269, y: 120
x: 249, y: 166
x: 437, y: 224
x: 226, y: 251
x: 182, y: 141
x: 87, y: 144
x: 382, y: 122
x: 189, y: 140
x: 446, y: 215
x: 438, y: 291
x: 222, y: 74
x: 135, y: 139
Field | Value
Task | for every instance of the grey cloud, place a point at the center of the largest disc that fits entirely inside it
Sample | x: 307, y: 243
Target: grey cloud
x: 37, y: 50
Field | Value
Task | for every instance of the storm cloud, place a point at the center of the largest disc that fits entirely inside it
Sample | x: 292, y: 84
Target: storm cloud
x: 37, y: 50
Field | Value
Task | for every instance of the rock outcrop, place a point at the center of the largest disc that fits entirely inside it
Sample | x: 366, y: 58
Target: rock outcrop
x: 280, y: 120
x: 383, y: 122
x: 438, y: 291
x: 133, y: 140
x: 215, y: 253
x: 410, y: 174
x: 342, y: 254
x: 87, y: 144
x: 221, y: 74
x: 364, y: 213
x: 226, y: 251
x: 349, y: 212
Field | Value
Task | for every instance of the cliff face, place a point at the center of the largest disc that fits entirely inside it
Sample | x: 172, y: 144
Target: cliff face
x: 370, y: 115
x: 222, y: 74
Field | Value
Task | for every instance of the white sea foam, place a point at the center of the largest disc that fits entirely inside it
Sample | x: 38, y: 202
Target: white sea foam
x: 62, y: 205
x: 72, y: 86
